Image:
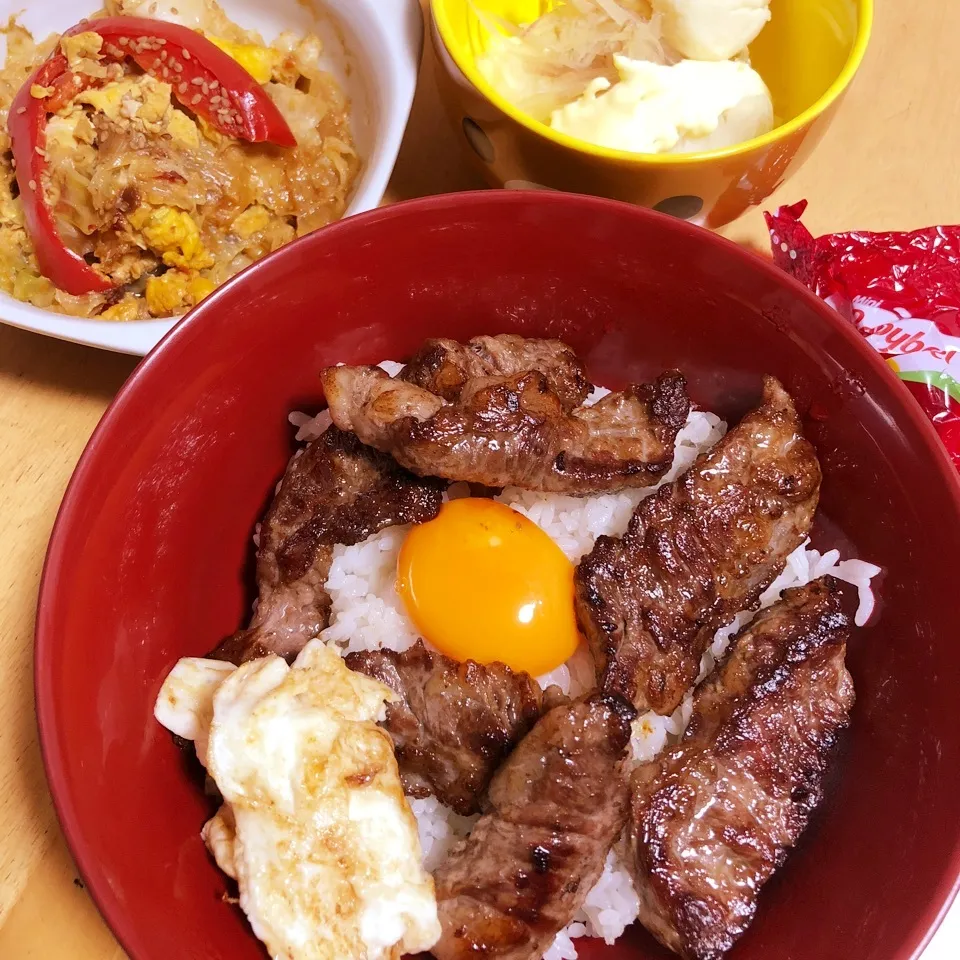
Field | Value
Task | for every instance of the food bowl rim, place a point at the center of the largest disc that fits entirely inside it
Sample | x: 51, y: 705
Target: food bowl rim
x: 94, y: 875
x: 440, y: 12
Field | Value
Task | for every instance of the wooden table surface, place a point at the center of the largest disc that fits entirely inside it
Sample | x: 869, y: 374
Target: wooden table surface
x: 889, y: 162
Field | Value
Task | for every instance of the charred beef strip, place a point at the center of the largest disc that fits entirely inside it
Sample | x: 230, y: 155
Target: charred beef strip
x: 713, y: 819
x: 453, y: 723
x: 697, y: 552
x: 554, y: 809
x: 336, y: 491
x: 444, y: 367
x: 514, y: 430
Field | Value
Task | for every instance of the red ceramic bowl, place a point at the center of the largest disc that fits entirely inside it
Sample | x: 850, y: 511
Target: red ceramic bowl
x: 151, y: 554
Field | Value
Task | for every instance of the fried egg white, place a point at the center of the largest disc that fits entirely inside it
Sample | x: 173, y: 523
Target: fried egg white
x: 314, y: 826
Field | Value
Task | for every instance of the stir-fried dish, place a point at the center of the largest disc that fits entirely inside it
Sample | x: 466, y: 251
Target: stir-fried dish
x: 154, y: 150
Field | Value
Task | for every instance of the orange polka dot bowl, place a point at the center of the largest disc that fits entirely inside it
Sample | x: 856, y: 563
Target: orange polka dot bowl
x: 807, y: 54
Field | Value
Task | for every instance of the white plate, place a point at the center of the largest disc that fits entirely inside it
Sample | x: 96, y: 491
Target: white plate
x: 374, y: 48
x: 945, y: 944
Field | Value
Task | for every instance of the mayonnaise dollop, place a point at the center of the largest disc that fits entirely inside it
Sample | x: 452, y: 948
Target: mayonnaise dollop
x: 711, y: 29
x: 689, y: 106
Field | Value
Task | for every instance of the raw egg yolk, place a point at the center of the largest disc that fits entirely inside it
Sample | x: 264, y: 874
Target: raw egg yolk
x: 484, y: 583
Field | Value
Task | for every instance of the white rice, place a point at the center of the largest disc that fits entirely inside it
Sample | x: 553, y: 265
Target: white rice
x: 440, y: 828
x: 368, y: 614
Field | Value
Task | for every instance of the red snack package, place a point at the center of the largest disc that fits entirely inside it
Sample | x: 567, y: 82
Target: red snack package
x: 901, y: 290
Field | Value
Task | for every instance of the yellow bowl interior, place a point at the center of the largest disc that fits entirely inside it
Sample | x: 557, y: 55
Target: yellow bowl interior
x: 806, y: 54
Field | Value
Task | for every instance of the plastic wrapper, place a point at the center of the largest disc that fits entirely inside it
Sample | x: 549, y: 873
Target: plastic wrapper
x: 901, y: 291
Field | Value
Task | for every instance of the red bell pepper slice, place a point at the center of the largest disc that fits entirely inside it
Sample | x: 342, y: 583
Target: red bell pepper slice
x: 27, y: 126
x: 204, y: 79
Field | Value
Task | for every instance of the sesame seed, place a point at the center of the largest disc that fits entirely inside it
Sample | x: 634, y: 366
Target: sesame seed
x: 204, y: 89
x: 196, y: 81
x: 40, y: 151
x: 124, y: 41
x: 182, y: 88
x: 21, y: 109
x: 166, y: 73
x: 178, y: 66
x: 186, y: 53
x: 161, y: 41
x: 196, y: 99
x: 214, y: 84
x: 32, y: 184
x: 215, y: 99
x: 174, y: 10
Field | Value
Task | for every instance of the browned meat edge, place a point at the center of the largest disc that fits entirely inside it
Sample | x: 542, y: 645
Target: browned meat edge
x: 712, y: 820
x: 696, y: 553
x: 514, y: 431
x: 336, y: 491
x: 454, y: 722
x: 444, y: 367
x: 555, y: 808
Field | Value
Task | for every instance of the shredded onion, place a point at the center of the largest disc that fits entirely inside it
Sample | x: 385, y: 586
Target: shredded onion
x: 547, y: 63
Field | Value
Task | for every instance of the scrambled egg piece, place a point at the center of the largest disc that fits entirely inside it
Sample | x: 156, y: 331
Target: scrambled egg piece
x: 9, y: 209
x: 711, y: 29
x: 81, y: 46
x: 251, y: 221
x: 83, y: 53
x: 183, y: 129
x: 107, y: 99
x: 691, y: 105
x: 175, y: 291
x: 126, y: 309
x: 139, y: 97
x: 258, y: 61
x: 67, y: 132
x: 32, y: 288
x: 173, y: 234
x: 314, y: 825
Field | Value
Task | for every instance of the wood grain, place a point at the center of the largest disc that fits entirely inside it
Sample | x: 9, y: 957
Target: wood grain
x: 888, y: 162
